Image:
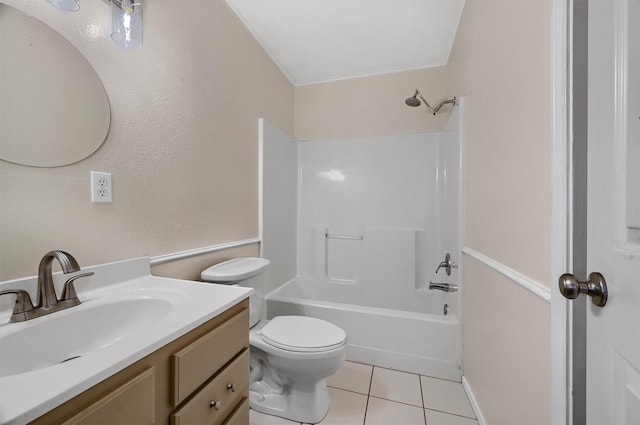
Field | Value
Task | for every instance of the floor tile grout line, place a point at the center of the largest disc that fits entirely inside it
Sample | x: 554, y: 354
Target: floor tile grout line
x: 424, y: 411
x: 396, y: 401
x: 347, y: 390
x: 366, y: 407
x: 452, y: 414
x: 412, y: 373
x: 439, y: 379
x: 378, y: 397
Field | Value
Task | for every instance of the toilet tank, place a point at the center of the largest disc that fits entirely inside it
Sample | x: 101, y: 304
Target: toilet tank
x: 250, y: 272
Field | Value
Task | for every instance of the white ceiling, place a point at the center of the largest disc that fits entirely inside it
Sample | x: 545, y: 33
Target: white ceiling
x: 323, y: 40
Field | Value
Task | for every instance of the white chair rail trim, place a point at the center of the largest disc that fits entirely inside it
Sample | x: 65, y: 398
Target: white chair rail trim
x: 531, y: 285
x: 166, y: 258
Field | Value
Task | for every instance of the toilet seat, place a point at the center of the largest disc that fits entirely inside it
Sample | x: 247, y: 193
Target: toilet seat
x: 302, y: 334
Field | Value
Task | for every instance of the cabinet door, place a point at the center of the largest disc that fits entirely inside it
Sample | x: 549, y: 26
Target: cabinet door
x: 130, y: 404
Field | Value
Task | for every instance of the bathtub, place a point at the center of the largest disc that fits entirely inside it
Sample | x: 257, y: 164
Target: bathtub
x: 420, y: 338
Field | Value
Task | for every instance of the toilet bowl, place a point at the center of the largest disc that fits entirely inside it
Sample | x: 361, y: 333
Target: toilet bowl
x: 290, y: 356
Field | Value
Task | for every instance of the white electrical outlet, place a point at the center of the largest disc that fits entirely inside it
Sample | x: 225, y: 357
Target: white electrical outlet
x: 101, y: 189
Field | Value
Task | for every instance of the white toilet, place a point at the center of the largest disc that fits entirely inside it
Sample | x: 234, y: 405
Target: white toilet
x: 291, y: 356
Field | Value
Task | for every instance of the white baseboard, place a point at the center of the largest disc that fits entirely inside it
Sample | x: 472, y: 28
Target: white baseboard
x: 473, y: 401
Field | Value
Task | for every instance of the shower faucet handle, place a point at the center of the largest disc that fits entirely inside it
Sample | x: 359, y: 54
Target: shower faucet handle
x: 447, y: 264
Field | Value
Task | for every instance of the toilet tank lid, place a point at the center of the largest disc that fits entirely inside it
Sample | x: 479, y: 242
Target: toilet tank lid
x: 234, y: 270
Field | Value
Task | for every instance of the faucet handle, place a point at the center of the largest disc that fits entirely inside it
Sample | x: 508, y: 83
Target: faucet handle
x: 447, y: 264
x: 69, y: 291
x: 22, y: 306
x: 441, y: 265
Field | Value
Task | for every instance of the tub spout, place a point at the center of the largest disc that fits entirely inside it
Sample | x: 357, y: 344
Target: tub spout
x: 446, y: 287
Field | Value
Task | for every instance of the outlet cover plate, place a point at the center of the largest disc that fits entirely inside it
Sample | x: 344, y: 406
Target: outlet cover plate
x: 101, y: 188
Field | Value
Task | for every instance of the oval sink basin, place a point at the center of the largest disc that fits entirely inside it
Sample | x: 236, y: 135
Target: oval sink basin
x: 76, y: 332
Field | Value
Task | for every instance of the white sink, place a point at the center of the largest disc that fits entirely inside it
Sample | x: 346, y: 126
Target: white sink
x: 59, y: 337
x: 125, y: 315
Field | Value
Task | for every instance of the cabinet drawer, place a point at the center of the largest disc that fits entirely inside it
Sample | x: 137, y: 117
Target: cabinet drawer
x: 197, y: 362
x: 200, y: 410
x: 241, y: 415
x: 130, y: 404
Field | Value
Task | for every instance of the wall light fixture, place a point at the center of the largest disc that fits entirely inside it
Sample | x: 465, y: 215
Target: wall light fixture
x: 126, y: 20
x: 126, y: 23
x: 67, y: 5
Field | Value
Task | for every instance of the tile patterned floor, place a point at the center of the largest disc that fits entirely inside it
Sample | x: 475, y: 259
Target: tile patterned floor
x: 367, y: 395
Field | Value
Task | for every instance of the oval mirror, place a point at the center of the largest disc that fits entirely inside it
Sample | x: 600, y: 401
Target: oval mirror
x: 54, y: 109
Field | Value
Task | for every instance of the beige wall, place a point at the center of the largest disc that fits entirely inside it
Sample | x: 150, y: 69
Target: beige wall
x: 370, y: 106
x: 501, y: 62
x: 182, y: 147
x: 506, y: 348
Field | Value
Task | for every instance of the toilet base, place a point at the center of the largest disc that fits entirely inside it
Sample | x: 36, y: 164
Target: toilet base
x: 307, y: 405
x: 305, y: 400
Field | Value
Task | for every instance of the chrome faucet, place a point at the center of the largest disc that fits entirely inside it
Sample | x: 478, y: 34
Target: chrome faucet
x: 447, y: 264
x: 48, y: 302
x: 46, y: 291
x: 446, y: 287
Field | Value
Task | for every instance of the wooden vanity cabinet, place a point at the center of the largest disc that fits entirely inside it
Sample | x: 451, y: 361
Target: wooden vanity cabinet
x: 201, y: 378
x: 132, y: 402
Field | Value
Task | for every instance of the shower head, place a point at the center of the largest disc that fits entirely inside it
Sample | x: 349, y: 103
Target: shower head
x: 413, y: 101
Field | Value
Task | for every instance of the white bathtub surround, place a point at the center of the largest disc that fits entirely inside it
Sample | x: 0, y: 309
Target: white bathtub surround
x: 387, y: 182
x: 376, y: 215
x: 278, y: 202
x: 380, y: 270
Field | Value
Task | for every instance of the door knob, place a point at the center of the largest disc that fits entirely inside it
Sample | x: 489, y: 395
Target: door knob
x: 596, y: 287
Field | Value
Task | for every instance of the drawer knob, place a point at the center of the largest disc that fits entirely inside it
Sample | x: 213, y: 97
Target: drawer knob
x: 216, y: 404
x: 231, y: 387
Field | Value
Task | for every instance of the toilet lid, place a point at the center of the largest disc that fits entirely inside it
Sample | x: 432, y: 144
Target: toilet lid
x: 301, y: 333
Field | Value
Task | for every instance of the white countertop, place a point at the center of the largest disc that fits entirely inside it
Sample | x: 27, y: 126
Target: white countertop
x: 26, y: 396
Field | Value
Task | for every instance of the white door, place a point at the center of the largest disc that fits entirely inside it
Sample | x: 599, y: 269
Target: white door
x: 613, y: 331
